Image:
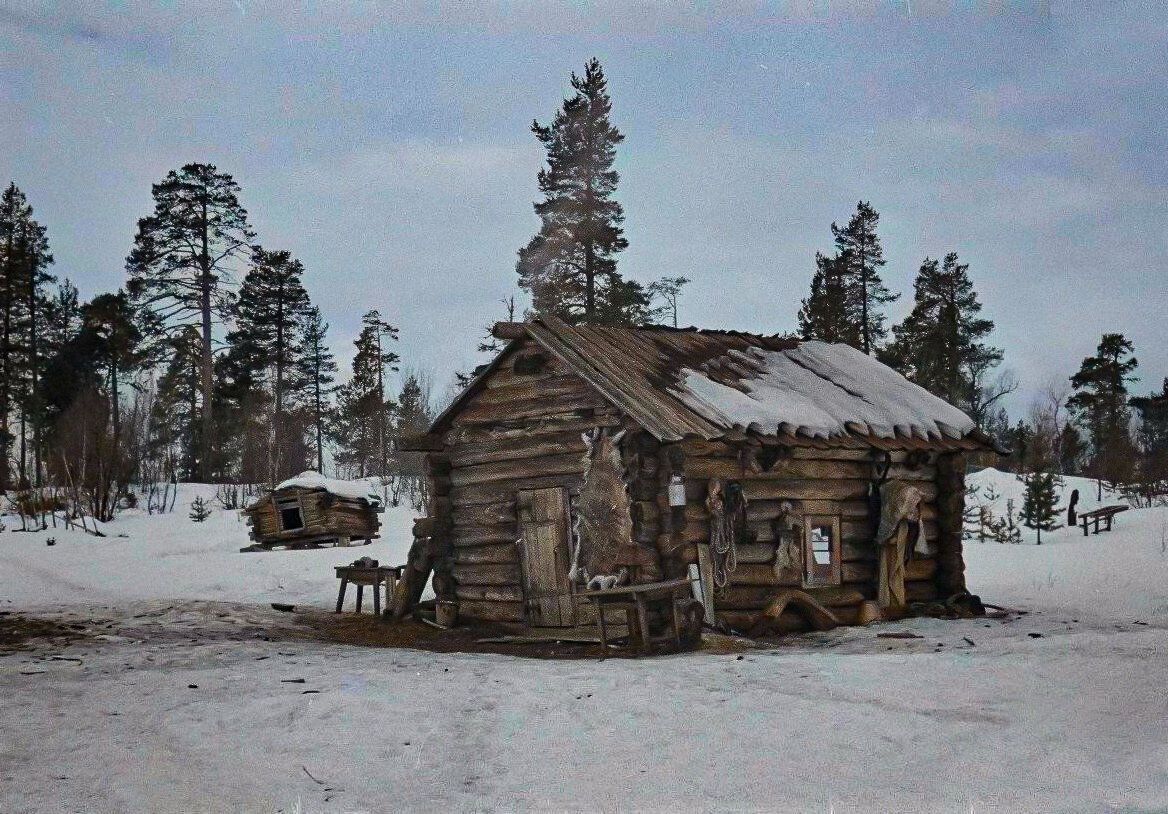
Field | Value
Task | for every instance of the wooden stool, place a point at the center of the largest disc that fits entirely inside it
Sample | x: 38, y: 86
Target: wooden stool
x: 361, y: 576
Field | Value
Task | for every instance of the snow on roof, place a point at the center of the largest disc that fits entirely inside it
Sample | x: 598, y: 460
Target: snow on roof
x: 695, y: 383
x: 822, y: 390
x: 365, y: 489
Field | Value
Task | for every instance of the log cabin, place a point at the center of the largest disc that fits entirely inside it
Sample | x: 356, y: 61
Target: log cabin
x: 763, y: 467
x: 312, y: 511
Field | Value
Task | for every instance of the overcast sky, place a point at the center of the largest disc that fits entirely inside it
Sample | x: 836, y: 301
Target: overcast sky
x: 388, y: 147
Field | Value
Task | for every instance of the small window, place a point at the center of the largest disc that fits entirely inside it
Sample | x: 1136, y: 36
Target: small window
x: 821, y: 551
x: 291, y: 518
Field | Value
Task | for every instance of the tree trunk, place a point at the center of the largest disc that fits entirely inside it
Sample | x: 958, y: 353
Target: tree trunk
x: 207, y: 358
x: 7, y: 281
x: 278, y: 423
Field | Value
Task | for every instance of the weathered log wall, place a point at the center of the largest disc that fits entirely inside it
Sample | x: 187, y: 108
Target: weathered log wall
x: 819, y: 482
x: 523, y: 430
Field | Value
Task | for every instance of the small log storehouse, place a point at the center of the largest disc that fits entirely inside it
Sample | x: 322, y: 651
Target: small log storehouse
x: 312, y: 511
x: 801, y: 483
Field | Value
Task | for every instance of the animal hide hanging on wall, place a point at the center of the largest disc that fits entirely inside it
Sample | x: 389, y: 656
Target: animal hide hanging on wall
x: 603, y: 529
x: 787, y: 530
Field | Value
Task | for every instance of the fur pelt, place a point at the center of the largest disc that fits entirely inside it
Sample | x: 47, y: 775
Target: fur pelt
x: 603, y: 522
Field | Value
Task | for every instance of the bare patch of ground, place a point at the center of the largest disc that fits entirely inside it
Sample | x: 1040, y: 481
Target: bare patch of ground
x: 19, y: 632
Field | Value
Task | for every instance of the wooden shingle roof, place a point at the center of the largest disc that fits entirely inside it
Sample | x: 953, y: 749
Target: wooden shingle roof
x: 690, y: 383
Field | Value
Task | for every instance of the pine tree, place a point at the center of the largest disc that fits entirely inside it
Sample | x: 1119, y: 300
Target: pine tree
x: 111, y: 332
x: 1152, y: 437
x: 827, y: 313
x: 569, y: 267
x: 858, y: 246
x: 668, y: 290
x: 24, y: 256
x: 177, y: 413
x: 319, y: 370
x: 365, y: 414
x: 1100, y: 405
x: 1040, y: 509
x: 939, y: 344
x: 180, y: 267
x: 264, y: 365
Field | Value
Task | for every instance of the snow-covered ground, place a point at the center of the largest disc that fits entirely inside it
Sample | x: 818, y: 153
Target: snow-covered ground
x: 181, y: 695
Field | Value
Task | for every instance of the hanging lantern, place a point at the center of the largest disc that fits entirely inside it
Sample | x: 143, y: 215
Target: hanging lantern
x: 676, y: 491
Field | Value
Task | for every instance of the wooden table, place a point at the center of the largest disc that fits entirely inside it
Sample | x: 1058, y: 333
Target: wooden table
x: 636, y: 598
x: 362, y: 575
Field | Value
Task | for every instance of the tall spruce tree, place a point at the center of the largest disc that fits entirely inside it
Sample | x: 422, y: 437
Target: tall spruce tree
x: 939, y: 345
x: 319, y: 370
x: 863, y: 255
x: 828, y: 313
x: 176, y: 415
x: 1152, y: 438
x: 180, y: 268
x: 569, y: 267
x: 365, y: 414
x: 264, y: 365
x: 24, y: 258
x: 1100, y: 405
x: 111, y: 332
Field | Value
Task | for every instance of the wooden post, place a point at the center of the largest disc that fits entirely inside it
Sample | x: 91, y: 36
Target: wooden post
x: 706, y: 574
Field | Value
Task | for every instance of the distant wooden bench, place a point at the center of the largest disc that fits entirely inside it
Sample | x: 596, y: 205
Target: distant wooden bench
x: 1103, y: 514
x: 362, y: 575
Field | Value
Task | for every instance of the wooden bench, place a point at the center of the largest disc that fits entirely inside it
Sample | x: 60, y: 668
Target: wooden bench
x: 1103, y: 514
x: 635, y: 599
x: 374, y: 576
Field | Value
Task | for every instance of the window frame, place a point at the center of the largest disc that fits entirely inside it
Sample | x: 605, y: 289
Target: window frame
x: 282, y: 504
x: 814, y: 574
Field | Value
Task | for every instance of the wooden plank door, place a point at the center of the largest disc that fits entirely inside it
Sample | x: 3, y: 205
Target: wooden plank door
x: 543, y: 542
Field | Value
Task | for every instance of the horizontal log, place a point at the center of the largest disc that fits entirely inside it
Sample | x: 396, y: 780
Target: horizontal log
x: 759, y: 574
x: 485, y: 514
x: 795, y: 469
x: 542, y: 467
x: 540, y: 407
x: 535, y: 446
x: 492, y: 611
x: 507, y: 552
x: 486, y: 574
x: 922, y: 591
x: 756, y: 552
x: 466, y: 536
x: 530, y: 428
x: 837, y: 490
x: 489, y: 593
x: 527, y: 388
x: 498, y: 492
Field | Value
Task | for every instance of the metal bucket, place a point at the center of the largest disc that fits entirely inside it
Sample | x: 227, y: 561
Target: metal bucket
x: 446, y: 613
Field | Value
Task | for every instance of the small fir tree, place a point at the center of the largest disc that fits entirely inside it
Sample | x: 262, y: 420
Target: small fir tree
x: 200, y: 511
x: 1040, y: 509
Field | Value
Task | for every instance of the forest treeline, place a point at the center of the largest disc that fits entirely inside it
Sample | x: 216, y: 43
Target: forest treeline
x: 211, y: 362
